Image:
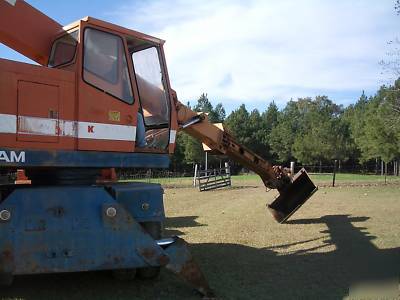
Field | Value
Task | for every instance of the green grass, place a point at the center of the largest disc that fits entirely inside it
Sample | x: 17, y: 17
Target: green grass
x: 340, y: 237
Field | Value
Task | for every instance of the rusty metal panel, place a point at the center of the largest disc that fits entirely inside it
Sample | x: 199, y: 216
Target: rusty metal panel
x: 72, y: 228
x: 38, y: 112
x: 183, y: 264
x: 148, y: 205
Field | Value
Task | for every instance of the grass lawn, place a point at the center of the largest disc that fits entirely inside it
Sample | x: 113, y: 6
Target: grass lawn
x: 340, y: 237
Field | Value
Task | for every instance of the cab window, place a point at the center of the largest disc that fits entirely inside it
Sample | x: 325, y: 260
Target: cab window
x: 104, y: 64
x: 154, y: 112
x: 151, y: 86
x: 63, y: 49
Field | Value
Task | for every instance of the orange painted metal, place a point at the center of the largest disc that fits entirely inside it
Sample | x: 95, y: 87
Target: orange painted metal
x: 107, y: 176
x: 62, y: 94
x: 23, y: 91
x: 22, y: 178
x: 94, y: 105
x: 122, y: 30
x: 27, y: 30
x: 41, y: 101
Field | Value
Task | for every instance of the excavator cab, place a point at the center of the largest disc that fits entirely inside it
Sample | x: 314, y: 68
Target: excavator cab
x: 122, y: 79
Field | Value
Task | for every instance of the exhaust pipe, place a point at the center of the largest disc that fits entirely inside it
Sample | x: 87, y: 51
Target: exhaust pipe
x: 292, y: 197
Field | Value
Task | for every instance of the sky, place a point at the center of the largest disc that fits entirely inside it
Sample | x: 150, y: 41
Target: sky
x: 255, y: 51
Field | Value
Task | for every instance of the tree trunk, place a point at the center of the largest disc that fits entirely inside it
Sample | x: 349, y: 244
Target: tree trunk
x: 382, y: 168
x: 397, y: 168
x: 320, y: 166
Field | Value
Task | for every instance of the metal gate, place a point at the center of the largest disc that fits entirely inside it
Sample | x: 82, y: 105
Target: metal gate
x: 213, y: 179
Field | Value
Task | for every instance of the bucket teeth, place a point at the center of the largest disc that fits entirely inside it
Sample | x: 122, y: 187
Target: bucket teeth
x: 276, y: 214
x: 292, y: 197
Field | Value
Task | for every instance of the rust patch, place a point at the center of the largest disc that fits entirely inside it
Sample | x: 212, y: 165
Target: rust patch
x: 129, y: 219
x: 7, y: 260
x: 7, y: 255
x: 192, y: 273
x: 163, y: 260
x: 148, y: 253
x: 118, y: 260
x: 32, y: 267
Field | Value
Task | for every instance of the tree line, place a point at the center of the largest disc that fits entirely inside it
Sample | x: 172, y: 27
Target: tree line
x: 308, y: 130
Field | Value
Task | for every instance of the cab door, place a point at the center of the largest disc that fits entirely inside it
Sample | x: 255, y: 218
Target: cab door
x: 107, y: 110
x: 155, y: 106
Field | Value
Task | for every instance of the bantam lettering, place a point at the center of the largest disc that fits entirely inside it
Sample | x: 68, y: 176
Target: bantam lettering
x: 12, y: 156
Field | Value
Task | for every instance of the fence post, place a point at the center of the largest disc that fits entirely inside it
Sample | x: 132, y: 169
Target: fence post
x: 334, y: 173
x: 227, y: 168
x: 386, y: 165
x: 195, y: 175
x: 291, y: 168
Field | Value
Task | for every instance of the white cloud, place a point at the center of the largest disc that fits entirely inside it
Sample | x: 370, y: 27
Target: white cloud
x: 264, y: 50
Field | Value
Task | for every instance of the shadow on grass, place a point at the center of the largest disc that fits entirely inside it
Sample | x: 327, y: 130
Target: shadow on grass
x: 171, y: 223
x: 240, y: 272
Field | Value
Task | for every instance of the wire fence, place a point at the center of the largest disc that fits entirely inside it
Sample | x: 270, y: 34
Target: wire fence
x: 165, y: 177
x: 369, y: 168
x: 323, y: 175
x: 326, y: 174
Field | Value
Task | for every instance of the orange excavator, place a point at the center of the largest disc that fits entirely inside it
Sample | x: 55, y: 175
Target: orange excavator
x: 99, y: 98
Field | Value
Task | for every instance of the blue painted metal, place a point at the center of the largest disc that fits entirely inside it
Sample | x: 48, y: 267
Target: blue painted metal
x: 81, y: 159
x: 66, y: 228
x: 148, y: 198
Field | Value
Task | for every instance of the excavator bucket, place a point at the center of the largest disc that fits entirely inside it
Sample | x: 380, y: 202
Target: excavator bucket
x: 293, y: 197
